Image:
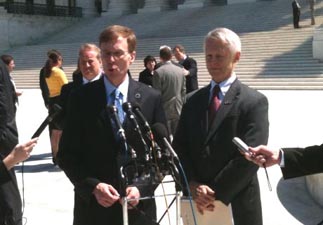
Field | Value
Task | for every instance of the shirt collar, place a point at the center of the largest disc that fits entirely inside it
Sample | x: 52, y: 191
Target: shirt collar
x: 97, y: 77
x: 123, y: 87
x: 224, y: 85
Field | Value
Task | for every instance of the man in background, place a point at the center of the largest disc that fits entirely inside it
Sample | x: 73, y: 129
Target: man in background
x: 90, y: 66
x: 170, y: 81
x: 190, y: 68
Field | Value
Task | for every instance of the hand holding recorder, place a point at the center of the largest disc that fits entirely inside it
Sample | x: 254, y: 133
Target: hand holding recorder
x: 260, y: 155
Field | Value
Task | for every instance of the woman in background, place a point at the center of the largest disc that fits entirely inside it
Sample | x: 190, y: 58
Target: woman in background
x: 146, y: 76
x: 55, y: 79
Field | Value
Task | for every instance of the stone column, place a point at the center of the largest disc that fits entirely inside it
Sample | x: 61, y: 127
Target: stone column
x: 105, y: 5
x: 119, y: 7
x: 151, y: 6
x: 191, y: 4
x: 88, y: 8
x: 318, y: 43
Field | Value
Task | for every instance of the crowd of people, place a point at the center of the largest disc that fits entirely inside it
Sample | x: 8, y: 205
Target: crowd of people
x: 201, y: 123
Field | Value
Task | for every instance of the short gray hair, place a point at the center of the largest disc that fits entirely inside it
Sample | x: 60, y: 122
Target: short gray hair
x: 227, y: 35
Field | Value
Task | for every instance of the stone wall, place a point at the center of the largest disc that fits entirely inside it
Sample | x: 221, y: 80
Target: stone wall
x: 27, y: 29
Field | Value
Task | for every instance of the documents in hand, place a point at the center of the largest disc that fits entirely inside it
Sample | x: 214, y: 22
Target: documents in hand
x: 220, y: 216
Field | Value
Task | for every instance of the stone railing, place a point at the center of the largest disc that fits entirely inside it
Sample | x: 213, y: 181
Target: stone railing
x: 42, y: 9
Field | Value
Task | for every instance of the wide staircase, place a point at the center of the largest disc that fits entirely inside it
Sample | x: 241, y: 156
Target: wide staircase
x: 274, y: 54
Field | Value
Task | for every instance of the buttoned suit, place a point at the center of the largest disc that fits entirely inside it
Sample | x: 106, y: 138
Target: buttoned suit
x: 302, y: 161
x: 209, y: 156
x: 88, y: 150
x: 10, y: 202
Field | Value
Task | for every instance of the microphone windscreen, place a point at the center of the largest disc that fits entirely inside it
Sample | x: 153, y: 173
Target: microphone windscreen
x: 159, y: 131
x: 126, y: 106
x: 111, y: 109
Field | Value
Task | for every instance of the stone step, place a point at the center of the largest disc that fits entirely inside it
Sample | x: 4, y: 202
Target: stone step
x: 273, y: 53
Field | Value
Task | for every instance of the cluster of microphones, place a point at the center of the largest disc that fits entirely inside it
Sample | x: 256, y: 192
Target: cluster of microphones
x: 136, y: 166
x: 157, y: 158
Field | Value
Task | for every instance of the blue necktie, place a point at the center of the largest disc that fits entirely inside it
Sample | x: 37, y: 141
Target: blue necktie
x: 118, y: 100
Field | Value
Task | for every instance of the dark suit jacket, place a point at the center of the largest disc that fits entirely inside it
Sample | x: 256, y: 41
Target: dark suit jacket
x: 302, y: 161
x: 10, y: 202
x: 146, y: 77
x: 191, y: 79
x: 209, y: 156
x: 88, y: 150
x: 66, y: 90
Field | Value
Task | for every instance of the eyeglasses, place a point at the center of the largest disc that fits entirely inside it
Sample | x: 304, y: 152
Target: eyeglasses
x: 115, y: 55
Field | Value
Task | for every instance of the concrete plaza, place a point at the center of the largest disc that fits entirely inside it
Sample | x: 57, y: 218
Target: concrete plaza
x: 295, y: 120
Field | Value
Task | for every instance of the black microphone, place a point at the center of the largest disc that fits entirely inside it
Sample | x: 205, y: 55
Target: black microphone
x: 128, y: 109
x: 122, y: 159
x: 48, y: 119
x: 141, y: 116
x: 160, y: 132
x: 113, y: 114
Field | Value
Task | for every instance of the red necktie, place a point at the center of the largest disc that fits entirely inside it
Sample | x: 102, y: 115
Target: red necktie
x: 215, y: 103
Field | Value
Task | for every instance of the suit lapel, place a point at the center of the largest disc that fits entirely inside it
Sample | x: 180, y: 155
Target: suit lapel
x: 226, y: 106
x: 134, y: 93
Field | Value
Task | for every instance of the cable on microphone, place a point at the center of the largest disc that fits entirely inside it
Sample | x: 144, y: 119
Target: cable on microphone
x: 160, y: 132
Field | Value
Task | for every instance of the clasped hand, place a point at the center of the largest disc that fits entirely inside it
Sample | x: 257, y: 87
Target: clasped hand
x: 203, y: 196
x: 106, y: 195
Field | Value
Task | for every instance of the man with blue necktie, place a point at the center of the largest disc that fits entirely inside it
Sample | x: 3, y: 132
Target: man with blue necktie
x: 89, y: 148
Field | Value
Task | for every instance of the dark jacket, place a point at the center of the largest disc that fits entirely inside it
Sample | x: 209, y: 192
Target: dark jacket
x: 209, y: 156
x: 10, y: 202
x: 88, y: 150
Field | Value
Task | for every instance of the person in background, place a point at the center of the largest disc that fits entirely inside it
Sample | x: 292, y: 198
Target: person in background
x: 203, y: 141
x: 10, y: 63
x: 55, y: 79
x: 190, y: 68
x: 20, y: 153
x: 10, y: 201
x: 146, y: 76
x: 89, y: 68
x: 170, y: 81
x: 312, y: 11
x: 296, y: 13
x: 90, y: 150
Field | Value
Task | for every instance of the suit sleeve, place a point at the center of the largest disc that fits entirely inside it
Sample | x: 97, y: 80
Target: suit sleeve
x: 193, y: 67
x: 157, y: 81
x: 302, y: 161
x: 4, y: 173
x: 254, y: 130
